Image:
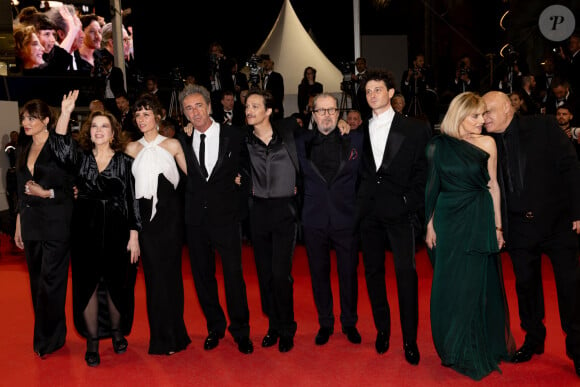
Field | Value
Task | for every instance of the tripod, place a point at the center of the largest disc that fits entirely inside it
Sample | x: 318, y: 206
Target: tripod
x: 347, y: 88
x: 174, y: 107
x: 415, y: 109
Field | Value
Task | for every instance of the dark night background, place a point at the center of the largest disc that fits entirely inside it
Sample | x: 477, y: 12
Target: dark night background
x: 176, y: 34
x: 442, y: 29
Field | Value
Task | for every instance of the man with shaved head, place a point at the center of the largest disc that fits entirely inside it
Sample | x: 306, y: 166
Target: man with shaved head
x: 540, y: 178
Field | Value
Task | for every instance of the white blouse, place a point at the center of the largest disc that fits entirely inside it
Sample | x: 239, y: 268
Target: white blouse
x: 152, y: 161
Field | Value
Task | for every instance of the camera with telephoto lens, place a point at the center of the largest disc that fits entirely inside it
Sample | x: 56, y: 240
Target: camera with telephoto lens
x: 255, y: 66
x: 176, y: 78
x: 347, y: 69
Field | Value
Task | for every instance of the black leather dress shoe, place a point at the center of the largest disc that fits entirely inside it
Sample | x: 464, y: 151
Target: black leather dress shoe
x: 245, y: 345
x: 526, y: 352
x: 323, y: 335
x: 382, y: 342
x: 270, y: 339
x: 286, y: 343
x: 411, y: 352
x: 212, y: 340
x: 352, y: 334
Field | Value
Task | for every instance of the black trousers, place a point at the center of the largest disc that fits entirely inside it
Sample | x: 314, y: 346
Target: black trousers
x: 48, y: 263
x: 204, y: 241
x: 562, y: 250
x: 273, y: 224
x: 376, y: 234
x: 319, y: 243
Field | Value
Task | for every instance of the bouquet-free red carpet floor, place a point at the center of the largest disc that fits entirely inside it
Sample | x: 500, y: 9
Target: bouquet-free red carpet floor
x: 338, y: 363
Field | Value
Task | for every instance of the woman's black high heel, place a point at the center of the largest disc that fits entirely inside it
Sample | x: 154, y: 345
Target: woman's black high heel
x: 120, y: 343
x: 92, y: 355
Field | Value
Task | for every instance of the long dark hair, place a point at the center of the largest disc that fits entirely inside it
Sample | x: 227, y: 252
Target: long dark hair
x: 305, y: 78
x: 40, y: 110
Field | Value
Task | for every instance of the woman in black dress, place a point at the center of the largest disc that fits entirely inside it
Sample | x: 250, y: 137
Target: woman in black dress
x: 44, y: 171
x: 105, y: 245
x: 161, y: 237
x: 307, y: 88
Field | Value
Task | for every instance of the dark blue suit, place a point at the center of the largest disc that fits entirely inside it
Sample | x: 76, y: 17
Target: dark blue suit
x: 328, y: 220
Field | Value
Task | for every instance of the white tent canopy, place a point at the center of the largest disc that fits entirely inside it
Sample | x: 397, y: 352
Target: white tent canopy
x: 292, y: 50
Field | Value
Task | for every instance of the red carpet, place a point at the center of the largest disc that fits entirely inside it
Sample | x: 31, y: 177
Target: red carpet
x: 339, y: 363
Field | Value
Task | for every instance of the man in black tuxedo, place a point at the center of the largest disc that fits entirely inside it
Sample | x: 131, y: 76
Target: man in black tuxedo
x: 571, y: 61
x: 360, y: 101
x: 125, y: 117
x: 274, y: 83
x: 562, y: 94
x: 212, y: 217
x: 540, y: 177
x: 230, y: 113
x: 329, y: 163
x: 391, y: 192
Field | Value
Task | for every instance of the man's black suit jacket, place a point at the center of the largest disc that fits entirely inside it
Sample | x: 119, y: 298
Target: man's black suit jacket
x: 215, y: 201
x: 397, y: 188
x: 330, y: 203
x: 550, y: 175
x: 238, y: 118
x: 275, y: 85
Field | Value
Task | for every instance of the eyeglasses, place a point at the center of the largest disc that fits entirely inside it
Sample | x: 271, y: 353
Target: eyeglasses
x: 323, y: 112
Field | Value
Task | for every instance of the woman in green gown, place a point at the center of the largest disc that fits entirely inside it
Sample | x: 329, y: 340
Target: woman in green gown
x: 469, y: 314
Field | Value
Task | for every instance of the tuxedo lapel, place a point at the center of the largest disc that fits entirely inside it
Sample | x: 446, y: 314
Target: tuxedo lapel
x: 288, y: 140
x: 190, y: 157
x: 368, y: 151
x: 344, y: 154
x: 394, y: 142
x: 223, y: 149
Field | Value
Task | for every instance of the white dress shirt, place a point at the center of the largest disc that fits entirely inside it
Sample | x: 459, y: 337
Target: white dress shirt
x: 379, y: 128
x: 212, y: 145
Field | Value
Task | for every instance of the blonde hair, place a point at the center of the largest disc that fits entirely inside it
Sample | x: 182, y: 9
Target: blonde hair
x: 461, y: 106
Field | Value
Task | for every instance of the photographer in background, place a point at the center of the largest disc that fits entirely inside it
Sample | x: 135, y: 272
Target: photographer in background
x: 414, y: 84
x: 360, y: 79
x: 217, y: 72
x: 571, y: 61
x: 465, y: 77
x: 254, y: 65
x: 510, y: 70
x: 11, y: 186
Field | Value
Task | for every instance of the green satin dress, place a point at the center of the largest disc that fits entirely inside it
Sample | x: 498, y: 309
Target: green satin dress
x: 469, y: 314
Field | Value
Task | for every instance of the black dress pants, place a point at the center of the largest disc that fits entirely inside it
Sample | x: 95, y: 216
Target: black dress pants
x: 400, y: 235
x: 562, y: 250
x: 319, y: 243
x: 204, y: 241
x: 274, y: 224
x: 48, y: 263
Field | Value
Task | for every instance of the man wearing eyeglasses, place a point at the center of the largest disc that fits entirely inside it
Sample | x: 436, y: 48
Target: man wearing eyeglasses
x: 329, y: 163
x: 390, y: 195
